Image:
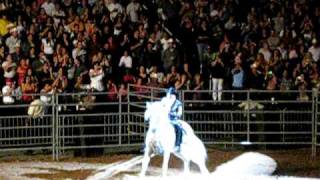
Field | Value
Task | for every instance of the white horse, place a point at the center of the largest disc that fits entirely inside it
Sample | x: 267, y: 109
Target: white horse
x: 161, y: 137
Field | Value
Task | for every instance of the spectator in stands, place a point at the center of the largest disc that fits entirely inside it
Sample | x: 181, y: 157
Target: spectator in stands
x: 217, y: 74
x: 156, y: 77
x: 196, y: 85
x: 270, y: 36
x: 80, y: 69
x: 143, y: 75
x: 255, y: 78
x: 184, y: 79
x: 45, y: 74
x: 28, y: 87
x: 96, y: 78
x: 47, y: 46
x: 112, y: 91
x: 13, y: 40
x: 126, y: 61
x: 60, y: 82
x: 133, y: 9
x: 123, y: 91
x: 170, y: 56
x: 273, y: 40
x: 265, y: 52
x: 237, y: 76
x: 8, y: 92
x: 22, y: 70
x: 315, y: 50
x: 78, y: 51
x: 9, y: 68
x: 48, y: 7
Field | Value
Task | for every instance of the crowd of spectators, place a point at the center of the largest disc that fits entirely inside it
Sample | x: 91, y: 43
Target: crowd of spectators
x: 102, y: 45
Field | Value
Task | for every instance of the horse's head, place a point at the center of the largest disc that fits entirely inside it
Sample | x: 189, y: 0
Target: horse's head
x: 155, y: 111
x: 148, y: 112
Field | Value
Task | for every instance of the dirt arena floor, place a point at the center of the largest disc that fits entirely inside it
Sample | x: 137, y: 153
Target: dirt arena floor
x: 290, y: 163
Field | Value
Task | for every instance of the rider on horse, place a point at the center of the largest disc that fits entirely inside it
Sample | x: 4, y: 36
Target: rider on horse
x: 175, y: 113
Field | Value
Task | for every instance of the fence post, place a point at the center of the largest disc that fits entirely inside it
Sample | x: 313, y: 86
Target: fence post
x: 53, y: 131
x: 57, y: 120
x: 128, y: 114
x: 183, y: 104
x: 55, y: 126
x: 248, y: 116
x: 314, y: 121
x: 151, y: 94
x: 120, y: 120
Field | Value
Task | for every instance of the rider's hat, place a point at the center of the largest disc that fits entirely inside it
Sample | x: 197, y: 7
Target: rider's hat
x: 171, y: 91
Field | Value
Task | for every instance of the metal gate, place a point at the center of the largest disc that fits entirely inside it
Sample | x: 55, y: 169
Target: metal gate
x: 70, y: 124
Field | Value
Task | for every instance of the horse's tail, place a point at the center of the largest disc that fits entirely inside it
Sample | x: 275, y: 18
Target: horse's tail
x: 203, y: 148
x: 197, y: 142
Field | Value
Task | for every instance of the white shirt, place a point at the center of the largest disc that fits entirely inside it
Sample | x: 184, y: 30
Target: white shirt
x: 11, y: 43
x: 315, y: 51
x: 48, y: 8
x: 132, y: 11
x: 46, y: 98
x: 164, y: 43
x: 7, y: 98
x: 266, y: 54
x: 126, y: 61
x: 78, y: 52
x: 48, y: 46
x: 59, y: 13
x: 96, y: 81
x: 9, y: 74
x: 114, y: 9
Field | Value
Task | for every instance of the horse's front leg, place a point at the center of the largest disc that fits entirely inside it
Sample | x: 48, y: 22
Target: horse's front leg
x: 165, y: 162
x: 203, y: 168
x: 186, y: 166
x: 145, y: 161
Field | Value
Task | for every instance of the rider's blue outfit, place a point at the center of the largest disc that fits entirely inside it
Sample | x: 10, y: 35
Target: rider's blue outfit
x: 174, y: 115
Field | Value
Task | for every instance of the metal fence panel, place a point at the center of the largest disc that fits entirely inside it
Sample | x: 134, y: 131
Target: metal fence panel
x: 276, y: 118
x: 19, y: 131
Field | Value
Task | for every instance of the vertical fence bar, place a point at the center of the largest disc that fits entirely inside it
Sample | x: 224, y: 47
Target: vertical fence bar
x: 120, y: 120
x: 312, y: 124
x: 183, y: 103
x: 57, y: 120
x: 314, y: 121
x: 248, y: 116
x: 53, y: 124
x: 151, y: 94
x: 316, y: 124
x: 128, y: 114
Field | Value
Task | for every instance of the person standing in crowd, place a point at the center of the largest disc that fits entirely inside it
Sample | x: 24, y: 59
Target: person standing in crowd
x: 315, y: 50
x: 126, y: 61
x: 217, y: 77
x: 237, y: 76
x: 96, y: 78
